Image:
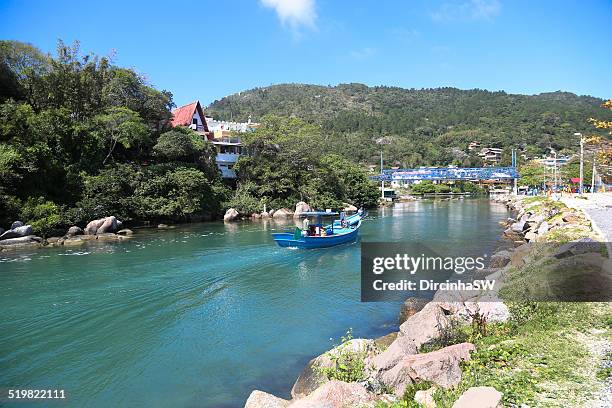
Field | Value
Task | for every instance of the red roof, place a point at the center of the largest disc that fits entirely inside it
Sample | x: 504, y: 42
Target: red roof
x: 183, y: 115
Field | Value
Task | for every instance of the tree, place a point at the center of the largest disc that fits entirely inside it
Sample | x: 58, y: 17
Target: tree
x: 119, y: 125
x: 531, y: 174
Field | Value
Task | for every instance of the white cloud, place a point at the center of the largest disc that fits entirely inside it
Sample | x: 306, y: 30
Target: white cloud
x: 467, y: 10
x: 294, y: 13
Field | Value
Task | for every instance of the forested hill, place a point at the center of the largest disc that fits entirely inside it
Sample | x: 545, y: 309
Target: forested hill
x: 425, y: 125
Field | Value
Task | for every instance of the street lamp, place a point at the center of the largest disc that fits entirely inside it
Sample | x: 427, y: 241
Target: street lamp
x: 581, y: 160
x: 382, y: 141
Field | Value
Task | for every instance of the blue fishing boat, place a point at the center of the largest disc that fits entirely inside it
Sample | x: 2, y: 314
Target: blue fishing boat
x: 317, y: 235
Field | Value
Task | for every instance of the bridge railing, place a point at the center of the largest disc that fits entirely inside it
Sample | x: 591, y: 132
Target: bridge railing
x: 448, y: 173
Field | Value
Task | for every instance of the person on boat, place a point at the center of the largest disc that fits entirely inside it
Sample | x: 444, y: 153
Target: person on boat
x: 305, y: 225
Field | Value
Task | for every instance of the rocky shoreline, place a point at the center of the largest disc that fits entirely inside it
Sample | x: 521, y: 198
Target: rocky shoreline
x: 418, y: 360
x: 20, y: 236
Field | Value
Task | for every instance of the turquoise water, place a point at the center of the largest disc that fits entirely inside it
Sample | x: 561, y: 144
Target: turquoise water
x: 200, y: 315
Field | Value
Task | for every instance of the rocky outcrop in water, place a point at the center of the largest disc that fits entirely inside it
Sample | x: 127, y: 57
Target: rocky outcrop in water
x: 101, y: 226
x: 300, y: 209
x: 230, y: 215
x: 19, y: 231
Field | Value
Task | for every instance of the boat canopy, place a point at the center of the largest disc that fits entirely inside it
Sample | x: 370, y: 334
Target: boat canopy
x: 319, y: 213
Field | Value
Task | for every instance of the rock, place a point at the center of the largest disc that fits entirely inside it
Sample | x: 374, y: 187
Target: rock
x: 271, y: 213
x: 518, y: 226
x: 441, y: 367
x: 265, y: 214
x: 384, y: 342
x: 260, y: 399
x: 310, y: 378
x: 581, y: 246
x: 531, y: 236
x: 282, y: 213
x: 255, y: 216
x: 571, y: 217
x: 500, y: 259
x: 119, y: 225
x: 301, y: 208
x: 479, y: 397
x: 543, y: 228
x: 16, y: 224
x: 21, y: 231
x: 336, y: 394
x: 519, y: 254
x: 425, y: 398
x: 230, y: 215
x: 349, y: 207
x: 536, y: 219
x: 74, y: 230
x: 397, y: 351
x: 21, y: 240
x: 425, y: 325
x: 92, y: 226
x: 125, y: 231
x: 162, y: 226
x: 411, y: 306
x: 109, y: 225
x: 54, y: 240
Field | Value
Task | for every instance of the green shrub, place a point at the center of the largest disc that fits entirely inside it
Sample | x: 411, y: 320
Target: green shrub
x: 44, y: 216
x: 349, y: 366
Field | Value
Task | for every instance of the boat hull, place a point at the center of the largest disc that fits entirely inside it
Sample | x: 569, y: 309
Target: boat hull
x: 346, y: 235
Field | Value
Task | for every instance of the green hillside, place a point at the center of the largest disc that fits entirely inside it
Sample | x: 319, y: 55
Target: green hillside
x: 424, y: 126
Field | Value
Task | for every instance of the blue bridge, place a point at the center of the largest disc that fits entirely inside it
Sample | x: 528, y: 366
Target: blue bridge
x: 448, y: 173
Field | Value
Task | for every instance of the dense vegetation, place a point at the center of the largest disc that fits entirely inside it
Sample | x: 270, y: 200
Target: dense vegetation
x: 293, y: 161
x: 81, y: 138
x: 427, y: 126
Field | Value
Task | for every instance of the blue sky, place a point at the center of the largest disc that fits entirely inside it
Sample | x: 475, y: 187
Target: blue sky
x: 208, y: 49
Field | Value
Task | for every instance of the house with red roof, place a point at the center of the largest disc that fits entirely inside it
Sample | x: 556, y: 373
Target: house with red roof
x: 192, y: 116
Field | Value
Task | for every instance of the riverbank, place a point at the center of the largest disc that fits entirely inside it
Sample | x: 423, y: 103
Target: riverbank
x: 510, y: 350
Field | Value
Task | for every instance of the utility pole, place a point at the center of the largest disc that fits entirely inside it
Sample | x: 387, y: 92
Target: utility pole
x: 514, y: 165
x: 593, y: 176
x: 382, y: 186
x: 581, y: 162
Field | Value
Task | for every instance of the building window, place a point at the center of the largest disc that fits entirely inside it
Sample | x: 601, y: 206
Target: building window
x: 195, y: 121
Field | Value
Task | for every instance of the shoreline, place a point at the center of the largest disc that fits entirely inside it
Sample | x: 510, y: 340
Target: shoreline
x: 319, y: 382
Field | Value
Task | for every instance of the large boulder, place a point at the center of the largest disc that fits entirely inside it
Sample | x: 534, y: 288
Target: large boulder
x: 543, y: 228
x: 109, y: 225
x: 93, y: 226
x: 479, y: 397
x: 336, y: 394
x: 260, y: 399
x: 311, y: 378
x: 349, y: 207
x: 16, y: 224
x: 581, y: 246
x: 500, y: 259
x: 231, y: 214
x: 396, y: 352
x: 411, y: 306
x: 265, y: 214
x: 21, y: 231
x: 101, y: 226
x: 74, y: 230
x: 426, y: 325
x: 441, y: 367
x: 21, y: 240
x: 300, y: 209
x: 282, y: 213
